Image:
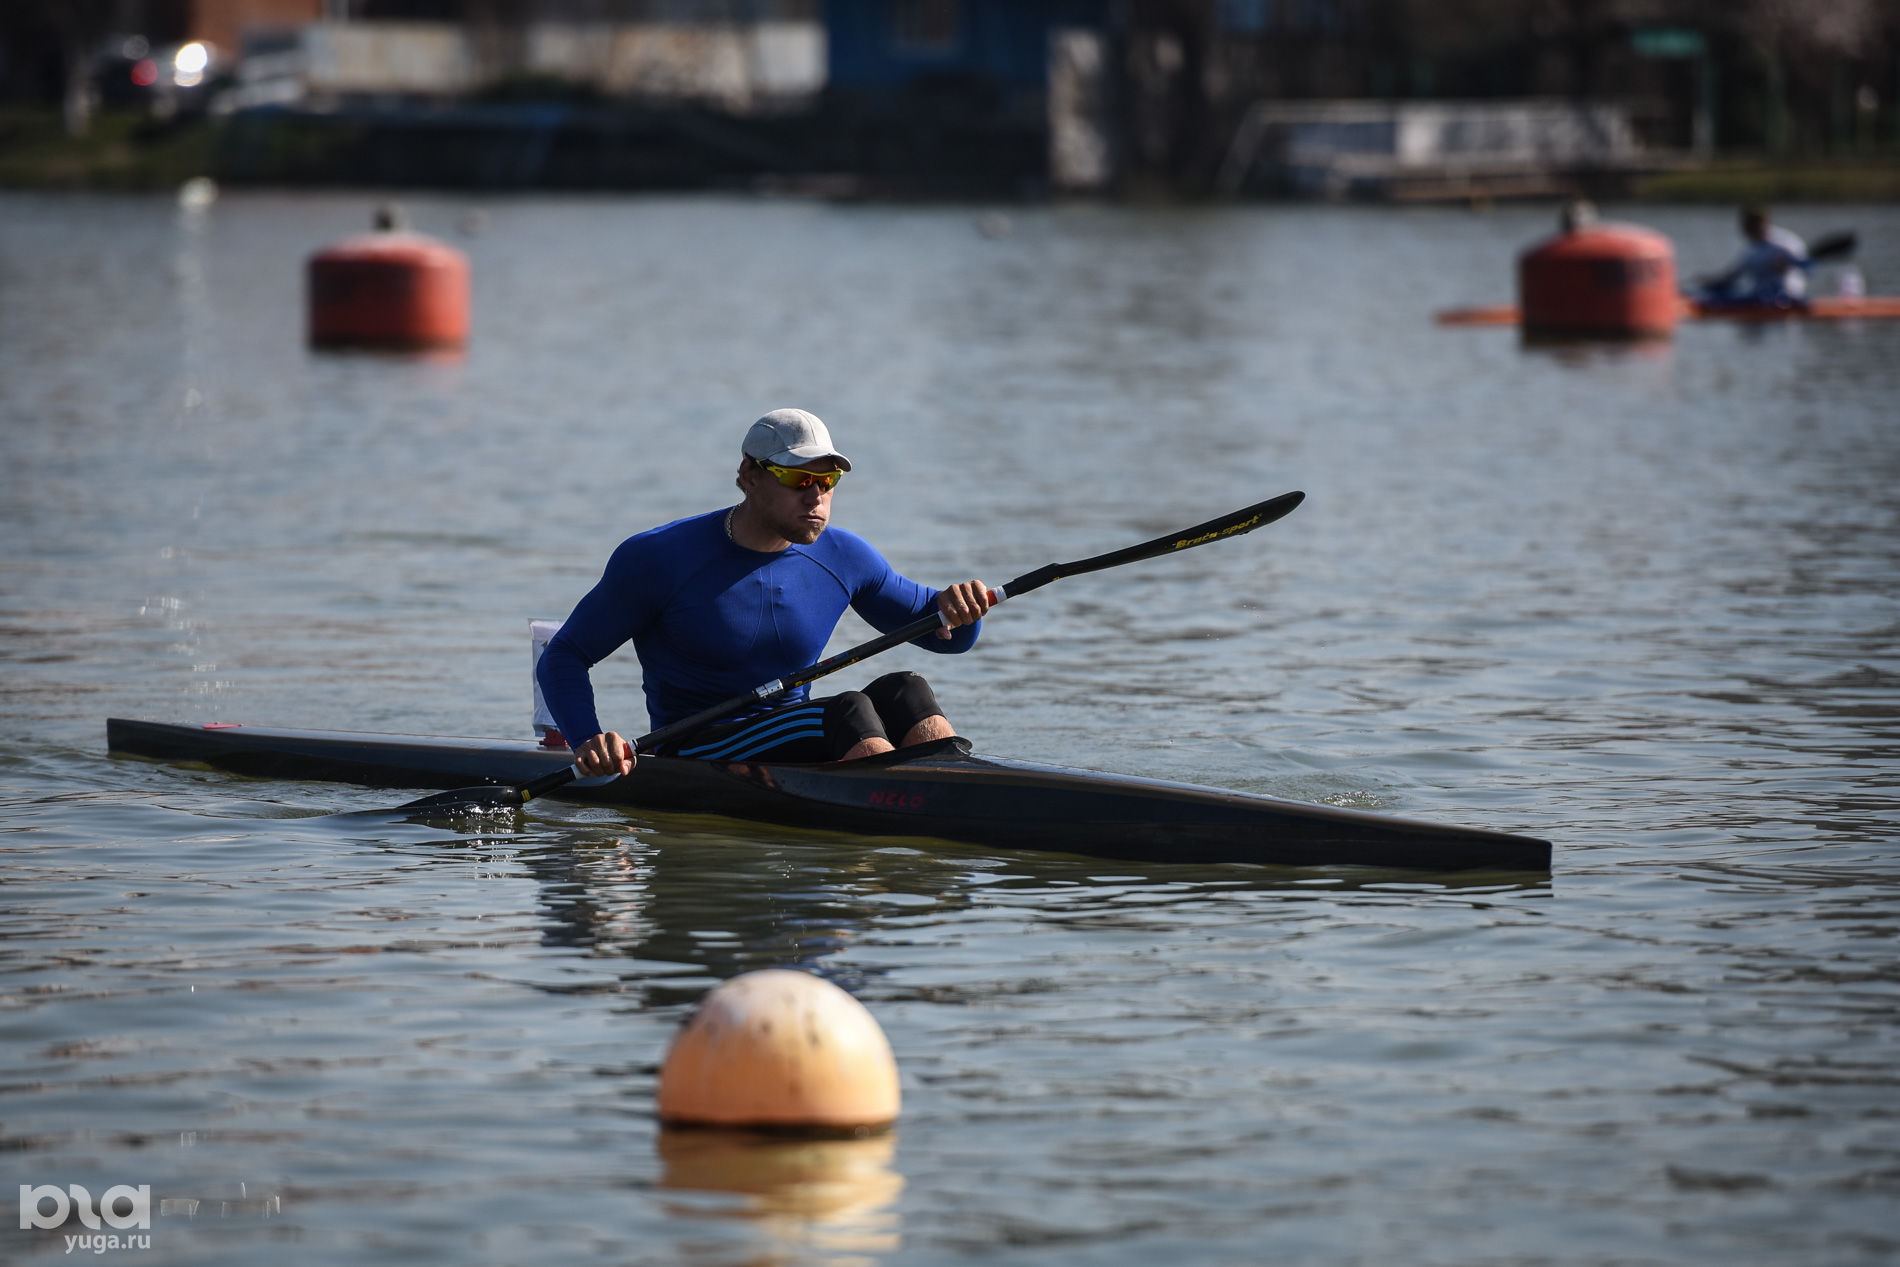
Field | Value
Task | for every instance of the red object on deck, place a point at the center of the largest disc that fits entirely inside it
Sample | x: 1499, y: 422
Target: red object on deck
x: 388, y: 290
x: 1605, y: 281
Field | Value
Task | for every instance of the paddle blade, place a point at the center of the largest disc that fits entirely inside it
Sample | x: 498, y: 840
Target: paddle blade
x: 1239, y: 522
x: 1834, y: 246
x: 468, y: 799
x: 493, y: 796
x: 1232, y: 524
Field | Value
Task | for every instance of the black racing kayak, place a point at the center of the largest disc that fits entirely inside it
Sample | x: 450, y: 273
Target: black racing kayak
x: 941, y: 790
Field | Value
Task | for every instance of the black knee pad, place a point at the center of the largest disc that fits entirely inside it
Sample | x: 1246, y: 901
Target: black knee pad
x: 902, y: 700
x: 850, y: 718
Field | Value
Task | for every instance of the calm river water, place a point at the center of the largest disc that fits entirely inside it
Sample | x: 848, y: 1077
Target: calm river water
x: 1642, y: 602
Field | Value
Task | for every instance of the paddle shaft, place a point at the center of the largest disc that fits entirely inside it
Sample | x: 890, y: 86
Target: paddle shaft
x: 1232, y: 524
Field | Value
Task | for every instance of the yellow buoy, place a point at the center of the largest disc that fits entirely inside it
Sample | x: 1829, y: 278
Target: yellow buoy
x: 780, y: 1050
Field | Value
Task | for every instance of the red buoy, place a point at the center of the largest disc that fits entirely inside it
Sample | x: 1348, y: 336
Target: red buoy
x: 388, y: 290
x: 1600, y: 281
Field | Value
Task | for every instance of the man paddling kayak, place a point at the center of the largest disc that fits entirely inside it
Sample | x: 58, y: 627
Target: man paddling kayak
x: 718, y: 602
x: 1771, y: 271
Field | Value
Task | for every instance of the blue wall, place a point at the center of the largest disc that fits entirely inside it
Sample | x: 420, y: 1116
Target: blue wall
x: 1001, y: 40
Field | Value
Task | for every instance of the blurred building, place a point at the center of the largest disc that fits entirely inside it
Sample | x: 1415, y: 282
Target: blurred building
x: 916, y: 96
x: 1000, y: 95
x: 1430, y: 150
x: 740, y: 68
x: 226, y: 24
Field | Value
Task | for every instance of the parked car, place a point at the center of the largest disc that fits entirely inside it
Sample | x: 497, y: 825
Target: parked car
x: 166, y: 81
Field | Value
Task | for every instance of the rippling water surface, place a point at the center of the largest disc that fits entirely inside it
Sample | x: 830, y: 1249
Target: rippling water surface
x: 1640, y: 601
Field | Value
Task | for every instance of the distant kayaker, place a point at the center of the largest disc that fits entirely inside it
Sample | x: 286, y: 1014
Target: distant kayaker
x: 1771, y: 271
x: 720, y: 602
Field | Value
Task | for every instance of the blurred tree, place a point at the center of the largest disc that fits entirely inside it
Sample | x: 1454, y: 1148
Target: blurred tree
x: 1166, y: 91
x: 76, y: 28
x: 1803, y: 48
x: 499, y: 32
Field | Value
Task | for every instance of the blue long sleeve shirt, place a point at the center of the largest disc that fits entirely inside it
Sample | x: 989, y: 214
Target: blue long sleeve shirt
x: 710, y: 619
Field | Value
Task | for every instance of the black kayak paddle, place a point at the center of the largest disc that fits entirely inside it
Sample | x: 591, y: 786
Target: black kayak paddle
x: 494, y: 796
x: 1834, y: 246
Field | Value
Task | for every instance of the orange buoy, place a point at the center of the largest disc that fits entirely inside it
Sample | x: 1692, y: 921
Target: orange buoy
x: 1602, y: 281
x: 780, y: 1050
x: 389, y: 289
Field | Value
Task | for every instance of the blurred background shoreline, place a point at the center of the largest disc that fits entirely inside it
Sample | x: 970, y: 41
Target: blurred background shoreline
x: 1469, y: 101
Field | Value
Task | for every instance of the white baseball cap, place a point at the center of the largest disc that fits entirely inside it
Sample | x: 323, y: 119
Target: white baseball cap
x: 791, y: 437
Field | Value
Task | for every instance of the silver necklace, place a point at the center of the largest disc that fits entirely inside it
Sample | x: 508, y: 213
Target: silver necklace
x: 729, y: 524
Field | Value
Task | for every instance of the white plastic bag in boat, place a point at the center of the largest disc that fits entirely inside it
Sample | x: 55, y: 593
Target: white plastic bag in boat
x: 540, y: 633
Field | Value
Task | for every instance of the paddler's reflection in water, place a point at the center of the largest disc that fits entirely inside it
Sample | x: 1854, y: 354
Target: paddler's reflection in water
x: 705, y: 906
x: 832, y: 1196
